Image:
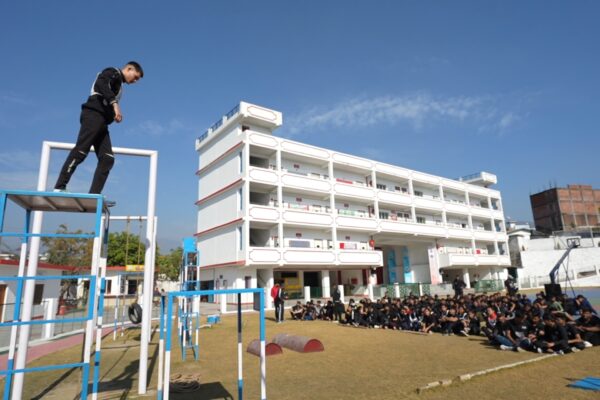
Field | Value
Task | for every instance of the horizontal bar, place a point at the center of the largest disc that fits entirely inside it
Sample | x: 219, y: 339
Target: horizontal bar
x: 52, y: 235
x: 115, y: 150
x: 45, y: 277
x: 37, y: 193
x: 45, y: 321
x: 44, y: 368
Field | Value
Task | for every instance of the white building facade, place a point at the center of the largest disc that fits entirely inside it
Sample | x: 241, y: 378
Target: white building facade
x: 272, y: 209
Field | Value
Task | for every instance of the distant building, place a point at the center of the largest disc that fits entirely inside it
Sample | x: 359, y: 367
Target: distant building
x: 534, y: 256
x: 560, y: 209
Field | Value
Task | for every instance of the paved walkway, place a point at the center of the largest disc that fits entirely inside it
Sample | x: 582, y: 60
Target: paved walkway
x: 42, y: 349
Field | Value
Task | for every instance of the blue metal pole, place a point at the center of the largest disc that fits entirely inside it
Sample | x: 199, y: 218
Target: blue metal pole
x: 96, y: 376
x: 3, y: 196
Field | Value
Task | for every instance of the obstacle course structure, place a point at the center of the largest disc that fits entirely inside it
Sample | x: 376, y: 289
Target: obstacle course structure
x: 188, y: 310
x: 37, y: 202
x: 166, y: 328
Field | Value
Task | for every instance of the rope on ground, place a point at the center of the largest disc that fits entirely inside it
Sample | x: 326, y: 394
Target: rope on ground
x: 180, y: 383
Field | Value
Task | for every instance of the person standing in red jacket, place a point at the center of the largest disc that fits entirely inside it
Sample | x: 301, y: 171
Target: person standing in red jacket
x: 278, y: 296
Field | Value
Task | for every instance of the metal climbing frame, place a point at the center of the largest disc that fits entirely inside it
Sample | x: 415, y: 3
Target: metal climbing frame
x: 166, y: 328
x: 188, y: 310
x: 38, y: 202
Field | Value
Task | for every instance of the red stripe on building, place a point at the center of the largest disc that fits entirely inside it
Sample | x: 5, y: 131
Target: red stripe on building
x: 44, y: 265
x: 218, y: 192
x: 240, y: 263
x: 214, y: 228
x: 222, y: 156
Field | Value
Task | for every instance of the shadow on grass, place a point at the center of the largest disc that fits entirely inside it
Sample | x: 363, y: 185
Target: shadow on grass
x: 54, y: 384
x: 206, y: 391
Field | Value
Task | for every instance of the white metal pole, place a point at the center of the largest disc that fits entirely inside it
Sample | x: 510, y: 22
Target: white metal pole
x: 148, y: 276
x: 14, y: 329
x: 34, y: 251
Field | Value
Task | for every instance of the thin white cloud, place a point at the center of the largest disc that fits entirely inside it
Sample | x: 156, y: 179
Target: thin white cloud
x: 158, y: 129
x: 416, y: 110
x: 508, y: 120
x: 15, y: 99
x: 19, y: 159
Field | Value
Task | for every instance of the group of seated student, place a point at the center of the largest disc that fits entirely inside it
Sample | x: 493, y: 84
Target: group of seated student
x: 554, y: 325
x: 312, y: 311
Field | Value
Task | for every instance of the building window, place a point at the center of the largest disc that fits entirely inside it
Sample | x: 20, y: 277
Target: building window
x: 418, y: 193
x: 132, y: 286
x: 420, y: 220
x: 384, y: 215
x: 38, y: 294
x: 108, y: 286
x: 381, y: 186
x: 241, y: 162
x: 240, y: 199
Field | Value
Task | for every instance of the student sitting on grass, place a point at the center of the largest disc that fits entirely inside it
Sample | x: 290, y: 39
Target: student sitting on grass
x: 297, y: 311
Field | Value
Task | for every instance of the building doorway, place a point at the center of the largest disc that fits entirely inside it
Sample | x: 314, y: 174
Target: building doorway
x: 312, y: 279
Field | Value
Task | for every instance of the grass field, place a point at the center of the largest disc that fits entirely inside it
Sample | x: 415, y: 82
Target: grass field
x: 356, y: 364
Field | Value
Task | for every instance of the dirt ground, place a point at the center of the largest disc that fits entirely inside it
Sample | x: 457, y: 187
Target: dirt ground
x: 356, y: 364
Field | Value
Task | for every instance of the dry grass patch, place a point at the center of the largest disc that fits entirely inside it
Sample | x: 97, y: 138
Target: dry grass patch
x: 356, y: 364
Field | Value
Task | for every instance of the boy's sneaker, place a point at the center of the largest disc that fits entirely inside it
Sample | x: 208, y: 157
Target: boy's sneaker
x: 60, y: 190
x: 519, y: 349
x: 575, y: 349
x: 503, y: 347
x: 464, y: 333
x: 539, y: 350
x: 560, y: 352
x: 587, y: 344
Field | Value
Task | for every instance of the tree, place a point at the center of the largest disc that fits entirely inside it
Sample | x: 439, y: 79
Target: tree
x: 169, y: 264
x: 125, y: 249
x: 76, y: 252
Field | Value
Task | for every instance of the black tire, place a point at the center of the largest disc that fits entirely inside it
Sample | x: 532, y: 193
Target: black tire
x: 135, y: 313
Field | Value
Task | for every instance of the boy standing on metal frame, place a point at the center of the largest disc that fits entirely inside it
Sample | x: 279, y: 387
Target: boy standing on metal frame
x: 99, y: 111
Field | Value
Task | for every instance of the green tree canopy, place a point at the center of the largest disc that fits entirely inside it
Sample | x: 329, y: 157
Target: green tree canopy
x: 169, y: 264
x: 125, y: 249
x: 76, y: 252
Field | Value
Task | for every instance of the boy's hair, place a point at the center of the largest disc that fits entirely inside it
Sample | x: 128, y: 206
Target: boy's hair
x: 137, y: 67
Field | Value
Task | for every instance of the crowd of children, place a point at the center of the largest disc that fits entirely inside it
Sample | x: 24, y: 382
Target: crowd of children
x: 553, y: 325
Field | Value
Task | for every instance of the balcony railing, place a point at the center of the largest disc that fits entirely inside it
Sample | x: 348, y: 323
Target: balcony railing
x: 351, y: 182
x: 314, y: 175
x: 354, y: 213
x: 218, y: 124
x: 307, y: 207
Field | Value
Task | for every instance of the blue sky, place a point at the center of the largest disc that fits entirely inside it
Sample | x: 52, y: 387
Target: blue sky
x: 449, y: 88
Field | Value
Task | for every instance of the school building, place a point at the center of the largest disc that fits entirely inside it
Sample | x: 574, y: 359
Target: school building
x: 272, y: 209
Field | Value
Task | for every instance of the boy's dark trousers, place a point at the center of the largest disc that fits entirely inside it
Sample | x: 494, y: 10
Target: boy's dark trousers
x: 278, y: 310
x: 93, y: 132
